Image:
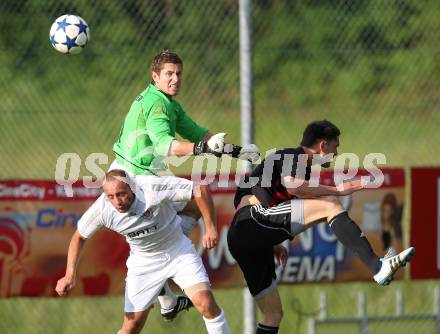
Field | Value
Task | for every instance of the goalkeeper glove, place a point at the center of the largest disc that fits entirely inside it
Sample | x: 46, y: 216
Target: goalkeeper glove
x: 213, y: 145
x: 248, y: 152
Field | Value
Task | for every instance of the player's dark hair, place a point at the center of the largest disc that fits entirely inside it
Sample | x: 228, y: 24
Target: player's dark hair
x: 319, y: 130
x: 162, y: 58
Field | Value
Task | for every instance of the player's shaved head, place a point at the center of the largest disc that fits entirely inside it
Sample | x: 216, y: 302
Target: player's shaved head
x: 115, y: 175
x: 118, y: 175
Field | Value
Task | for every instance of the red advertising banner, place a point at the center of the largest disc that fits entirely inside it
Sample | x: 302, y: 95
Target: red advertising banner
x: 37, y: 220
x: 316, y: 255
x: 425, y: 222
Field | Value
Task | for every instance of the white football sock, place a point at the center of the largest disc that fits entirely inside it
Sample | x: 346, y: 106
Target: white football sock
x: 217, y: 325
x: 169, y: 299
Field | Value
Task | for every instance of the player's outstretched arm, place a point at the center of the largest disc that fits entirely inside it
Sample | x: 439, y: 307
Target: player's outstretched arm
x: 66, y: 283
x: 302, y: 188
x: 205, y: 203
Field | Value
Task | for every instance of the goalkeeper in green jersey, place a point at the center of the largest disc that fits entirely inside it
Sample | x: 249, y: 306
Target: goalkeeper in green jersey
x: 148, y: 135
x: 156, y: 116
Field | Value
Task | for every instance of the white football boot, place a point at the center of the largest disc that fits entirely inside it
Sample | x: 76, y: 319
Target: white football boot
x: 390, y: 264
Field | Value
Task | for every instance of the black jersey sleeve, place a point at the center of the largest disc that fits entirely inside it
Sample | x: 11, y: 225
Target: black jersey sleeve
x: 262, y: 195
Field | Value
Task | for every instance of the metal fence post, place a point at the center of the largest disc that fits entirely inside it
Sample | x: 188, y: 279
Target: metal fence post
x: 311, y: 326
x: 363, y: 320
x: 322, y: 305
x: 249, y: 311
x: 247, y: 126
x: 362, y: 306
x: 437, y: 307
x: 322, y: 312
x: 246, y: 85
x: 399, y: 302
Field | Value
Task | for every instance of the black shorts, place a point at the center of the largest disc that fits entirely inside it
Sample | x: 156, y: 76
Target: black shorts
x: 251, y: 237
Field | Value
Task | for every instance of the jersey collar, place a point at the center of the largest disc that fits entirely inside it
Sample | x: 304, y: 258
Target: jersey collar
x: 157, y: 91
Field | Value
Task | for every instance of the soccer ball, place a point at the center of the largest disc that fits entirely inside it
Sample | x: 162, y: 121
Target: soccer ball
x: 69, y: 34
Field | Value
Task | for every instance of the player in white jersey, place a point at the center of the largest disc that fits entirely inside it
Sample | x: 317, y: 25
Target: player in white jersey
x: 142, y: 209
x: 170, y: 303
x: 187, y: 211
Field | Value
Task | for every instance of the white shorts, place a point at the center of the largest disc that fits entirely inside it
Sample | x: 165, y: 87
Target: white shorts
x: 145, y: 281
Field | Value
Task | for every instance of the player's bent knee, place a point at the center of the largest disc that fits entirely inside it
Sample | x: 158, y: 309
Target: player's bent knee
x: 332, y: 204
x: 193, y: 289
x: 204, y: 302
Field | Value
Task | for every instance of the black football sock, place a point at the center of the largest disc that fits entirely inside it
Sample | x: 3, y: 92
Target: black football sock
x: 351, y: 236
x: 386, y: 238
x: 264, y: 329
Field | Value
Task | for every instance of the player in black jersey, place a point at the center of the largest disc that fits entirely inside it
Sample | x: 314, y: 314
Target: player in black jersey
x: 280, y: 200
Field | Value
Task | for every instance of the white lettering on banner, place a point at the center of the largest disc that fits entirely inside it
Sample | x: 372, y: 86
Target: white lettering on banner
x: 438, y: 223
x: 387, y: 179
x: 312, y: 268
x: 22, y: 191
x: 306, y: 268
x: 325, y: 234
x: 79, y: 191
x: 307, y: 241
